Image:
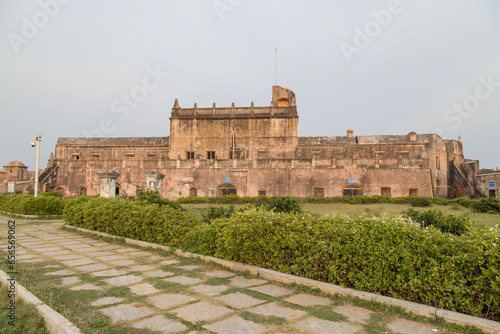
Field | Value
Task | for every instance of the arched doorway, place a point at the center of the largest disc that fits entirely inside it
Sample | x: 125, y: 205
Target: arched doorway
x: 83, y: 191
x: 352, y: 190
x: 226, y: 189
x: 60, y: 190
x: 193, y: 192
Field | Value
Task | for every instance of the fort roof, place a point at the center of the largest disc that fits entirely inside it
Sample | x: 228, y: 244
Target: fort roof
x: 115, y: 141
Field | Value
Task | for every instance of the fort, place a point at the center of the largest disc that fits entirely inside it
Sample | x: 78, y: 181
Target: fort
x: 254, y: 151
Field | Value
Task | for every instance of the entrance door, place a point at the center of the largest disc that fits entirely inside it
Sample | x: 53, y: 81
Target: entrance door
x: 226, y: 189
x: 353, y: 190
x: 493, y: 193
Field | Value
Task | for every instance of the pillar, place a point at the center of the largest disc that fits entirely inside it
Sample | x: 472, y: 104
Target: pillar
x: 153, y: 180
x: 108, y: 183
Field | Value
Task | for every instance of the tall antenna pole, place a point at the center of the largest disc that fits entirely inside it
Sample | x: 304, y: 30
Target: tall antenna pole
x: 275, y: 65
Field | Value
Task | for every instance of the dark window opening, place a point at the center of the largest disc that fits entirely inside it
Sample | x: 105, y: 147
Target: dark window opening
x: 493, y: 193
x: 76, y: 156
x: 413, y: 192
x: 226, y: 189
x: 190, y: 155
x: 262, y: 193
x: 352, y: 190
x: 117, y: 191
x: 385, y: 191
x: 193, y: 192
x: 319, y: 192
x: 211, y: 155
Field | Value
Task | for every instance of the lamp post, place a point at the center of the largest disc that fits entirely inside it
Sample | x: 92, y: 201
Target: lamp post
x: 36, y: 142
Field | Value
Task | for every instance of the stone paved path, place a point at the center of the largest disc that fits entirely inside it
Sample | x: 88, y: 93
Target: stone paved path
x: 144, y: 290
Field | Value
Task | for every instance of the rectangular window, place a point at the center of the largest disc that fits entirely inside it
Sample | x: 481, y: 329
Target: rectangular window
x: 413, y: 191
x: 211, y: 155
x: 95, y: 155
x: 262, y: 193
x: 262, y: 154
x: 75, y: 156
x: 190, y: 155
x: 404, y: 154
x: 129, y: 155
x: 319, y: 192
x: 151, y: 156
x: 438, y: 162
x: 385, y: 191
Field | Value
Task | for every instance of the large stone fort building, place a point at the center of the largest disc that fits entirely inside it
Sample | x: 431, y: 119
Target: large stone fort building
x: 255, y: 151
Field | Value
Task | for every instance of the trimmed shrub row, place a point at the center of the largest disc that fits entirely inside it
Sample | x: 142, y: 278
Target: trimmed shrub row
x: 396, y: 257
x: 29, y: 205
x: 393, y: 257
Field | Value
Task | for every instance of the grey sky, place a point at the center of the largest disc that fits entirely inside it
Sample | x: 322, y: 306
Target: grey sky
x: 427, y: 57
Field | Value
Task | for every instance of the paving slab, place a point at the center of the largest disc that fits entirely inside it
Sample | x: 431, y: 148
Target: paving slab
x: 108, y: 273
x: 143, y: 289
x: 111, y: 258
x: 308, y: 300
x: 98, y: 254
x: 161, y: 324
x: 60, y: 252
x: 272, y: 290
x: 184, y: 280
x: 125, y: 312
x: 169, y: 262
x: 123, y: 280
x: 122, y: 262
x: 210, y: 290
x: 158, y: 273
x: 354, y: 313
x: 60, y: 273
x: 106, y: 301
x: 86, y: 287
x: 47, y: 249
x: 239, y: 300
x: 31, y: 261
x: 273, y: 309
x: 201, y: 311
x: 125, y: 250
x: 319, y: 326
x: 70, y: 280
x: 141, y: 253
x: 93, y: 267
x: 219, y: 273
x: 141, y: 268
x: 410, y: 327
x: 242, y: 282
x: 191, y: 267
x: 235, y: 325
x: 168, y: 300
x: 24, y: 257
x: 78, y: 262
x: 67, y: 257
x: 51, y: 266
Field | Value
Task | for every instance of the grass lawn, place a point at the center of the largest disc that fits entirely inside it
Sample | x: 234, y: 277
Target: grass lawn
x: 351, y: 210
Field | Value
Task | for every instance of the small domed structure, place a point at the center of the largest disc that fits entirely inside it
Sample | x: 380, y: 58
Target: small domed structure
x: 15, y: 163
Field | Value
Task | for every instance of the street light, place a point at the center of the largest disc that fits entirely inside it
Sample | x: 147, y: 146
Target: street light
x: 36, y: 142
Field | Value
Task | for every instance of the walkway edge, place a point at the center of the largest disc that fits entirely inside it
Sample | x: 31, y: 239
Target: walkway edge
x: 419, y: 309
x: 54, y: 321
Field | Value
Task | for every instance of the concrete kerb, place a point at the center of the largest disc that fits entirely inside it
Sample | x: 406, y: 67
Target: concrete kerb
x: 54, y: 321
x: 488, y: 326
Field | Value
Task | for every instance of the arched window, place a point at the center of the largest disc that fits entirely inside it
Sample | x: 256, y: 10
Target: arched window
x: 60, y: 190
x: 193, y: 192
x: 225, y: 189
x: 353, y: 190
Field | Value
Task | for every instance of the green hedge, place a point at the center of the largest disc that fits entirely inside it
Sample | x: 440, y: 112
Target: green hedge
x: 29, y: 205
x: 133, y: 219
x: 393, y: 257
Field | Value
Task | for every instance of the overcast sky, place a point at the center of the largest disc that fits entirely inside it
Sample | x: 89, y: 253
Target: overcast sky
x: 76, y: 68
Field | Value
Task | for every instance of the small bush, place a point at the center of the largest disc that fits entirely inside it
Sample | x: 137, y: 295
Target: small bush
x: 453, y: 224
x: 486, y: 205
x: 153, y: 197
x: 287, y: 204
x: 51, y: 194
x: 220, y: 212
x: 421, y: 202
x: 29, y: 205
